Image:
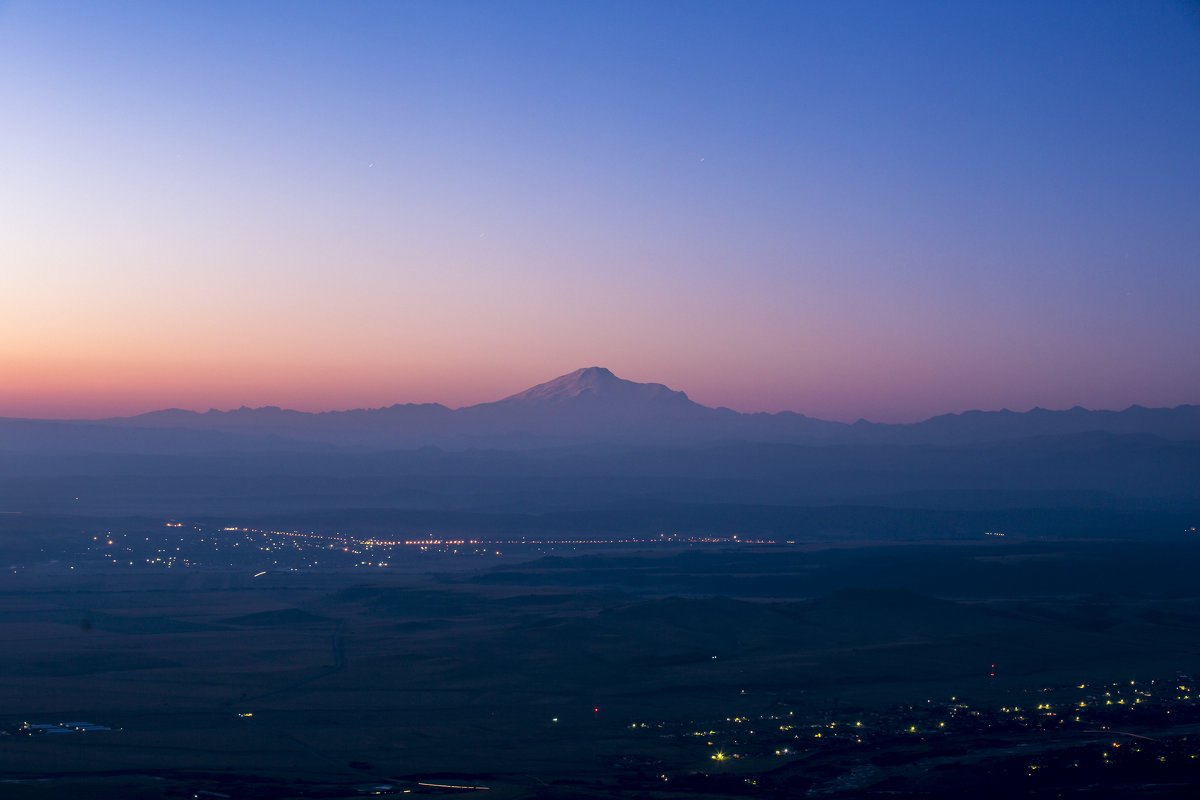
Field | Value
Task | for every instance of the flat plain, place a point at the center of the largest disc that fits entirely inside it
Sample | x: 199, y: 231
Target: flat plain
x: 721, y: 671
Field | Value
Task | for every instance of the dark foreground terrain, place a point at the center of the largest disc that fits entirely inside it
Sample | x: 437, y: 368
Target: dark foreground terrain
x: 992, y: 668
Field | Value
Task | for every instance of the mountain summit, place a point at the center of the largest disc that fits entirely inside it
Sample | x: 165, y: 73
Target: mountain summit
x: 597, y: 384
x: 589, y: 405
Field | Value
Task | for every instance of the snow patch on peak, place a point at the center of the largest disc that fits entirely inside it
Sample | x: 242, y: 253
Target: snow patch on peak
x: 597, y: 383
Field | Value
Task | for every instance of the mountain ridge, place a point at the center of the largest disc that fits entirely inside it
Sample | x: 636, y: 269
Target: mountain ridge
x: 587, y: 406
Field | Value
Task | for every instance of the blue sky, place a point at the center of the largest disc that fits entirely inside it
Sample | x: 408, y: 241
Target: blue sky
x: 847, y: 209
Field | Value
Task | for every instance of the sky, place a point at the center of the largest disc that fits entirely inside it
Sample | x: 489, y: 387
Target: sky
x: 846, y: 209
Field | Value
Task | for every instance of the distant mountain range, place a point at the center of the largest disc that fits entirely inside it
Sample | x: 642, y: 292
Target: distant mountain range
x: 590, y: 406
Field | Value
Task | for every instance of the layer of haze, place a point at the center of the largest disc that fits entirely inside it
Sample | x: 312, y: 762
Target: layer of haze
x: 886, y: 210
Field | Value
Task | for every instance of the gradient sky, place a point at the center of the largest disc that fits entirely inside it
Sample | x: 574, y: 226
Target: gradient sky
x: 848, y: 209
